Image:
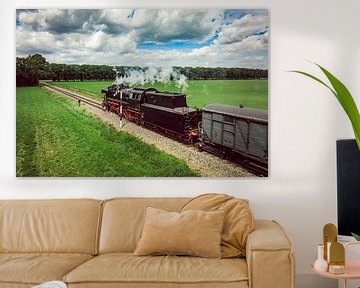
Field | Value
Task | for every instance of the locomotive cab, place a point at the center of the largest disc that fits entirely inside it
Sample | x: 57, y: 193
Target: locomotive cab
x: 134, y: 97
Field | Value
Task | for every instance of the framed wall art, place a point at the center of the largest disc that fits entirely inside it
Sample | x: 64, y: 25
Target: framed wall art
x: 142, y: 92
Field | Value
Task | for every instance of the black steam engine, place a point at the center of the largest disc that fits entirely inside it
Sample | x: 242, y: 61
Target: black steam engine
x: 165, y: 112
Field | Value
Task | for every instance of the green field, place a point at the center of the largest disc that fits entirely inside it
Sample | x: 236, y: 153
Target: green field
x: 55, y: 137
x: 250, y: 93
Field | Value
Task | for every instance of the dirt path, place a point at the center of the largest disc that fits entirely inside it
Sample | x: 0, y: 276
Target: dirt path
x: 207, y: 165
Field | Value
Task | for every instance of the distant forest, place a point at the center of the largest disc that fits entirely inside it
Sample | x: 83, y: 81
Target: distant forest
x: 34, y: 67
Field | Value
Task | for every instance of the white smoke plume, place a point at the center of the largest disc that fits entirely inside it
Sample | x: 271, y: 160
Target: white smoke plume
x: 150, y: 75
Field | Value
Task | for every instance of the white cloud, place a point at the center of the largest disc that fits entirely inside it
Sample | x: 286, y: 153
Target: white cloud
x: 32, y: 20
x: 111, y: 37
x: 242, y: 28
x: 207, y: 51
x: 164, y: 25
x: 161, y: 25
x: 59, y: 20
x: 117, y: 44
x: 119, y: 17
x: 28, y: 42
x: 97, y: 40
x: 251, y: 43
x: 244, y: 35
x: 158, y: 25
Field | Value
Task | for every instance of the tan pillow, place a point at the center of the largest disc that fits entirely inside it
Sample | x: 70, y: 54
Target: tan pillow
x: 196, y: 233
x: 239, y: 220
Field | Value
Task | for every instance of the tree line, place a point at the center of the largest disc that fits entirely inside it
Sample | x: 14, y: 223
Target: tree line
x: 221, y: 73
x: 31, y: 69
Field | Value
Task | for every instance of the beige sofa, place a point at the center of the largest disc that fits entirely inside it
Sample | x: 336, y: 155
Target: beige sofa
x: 89, y: 243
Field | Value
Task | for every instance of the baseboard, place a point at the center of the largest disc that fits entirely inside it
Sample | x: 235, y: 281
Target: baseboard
x: 310, y: 280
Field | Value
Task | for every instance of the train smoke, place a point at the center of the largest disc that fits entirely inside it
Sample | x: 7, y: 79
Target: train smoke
x: 152, y: 75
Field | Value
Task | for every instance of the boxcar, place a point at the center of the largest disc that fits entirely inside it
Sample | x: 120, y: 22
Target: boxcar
x: 236, y: 130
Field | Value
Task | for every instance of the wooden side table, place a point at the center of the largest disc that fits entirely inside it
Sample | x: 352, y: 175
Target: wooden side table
x: 352, y: 268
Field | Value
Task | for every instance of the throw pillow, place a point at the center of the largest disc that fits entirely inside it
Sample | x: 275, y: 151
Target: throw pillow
x: 196, y: 233
x: 239, y: 220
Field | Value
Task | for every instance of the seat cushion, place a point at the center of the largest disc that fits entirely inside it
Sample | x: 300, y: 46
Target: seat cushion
x: 35, y: 268
x: 51, y: 226
x: 151, y: 270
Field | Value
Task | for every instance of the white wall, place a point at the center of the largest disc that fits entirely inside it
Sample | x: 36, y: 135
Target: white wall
x: 305, y: 121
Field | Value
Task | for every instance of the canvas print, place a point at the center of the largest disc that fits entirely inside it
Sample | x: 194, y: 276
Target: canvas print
x: 142, y: 92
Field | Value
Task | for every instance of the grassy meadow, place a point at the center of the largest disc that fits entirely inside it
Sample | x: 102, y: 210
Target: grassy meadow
x: 250, y: 93
x: 55, y: 137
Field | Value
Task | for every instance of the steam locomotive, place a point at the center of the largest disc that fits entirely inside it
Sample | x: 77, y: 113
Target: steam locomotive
x: 165, y: 112
x: 233, y: 132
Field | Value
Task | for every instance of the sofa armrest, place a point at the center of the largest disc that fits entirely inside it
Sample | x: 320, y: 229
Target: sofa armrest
x: 269, y: 256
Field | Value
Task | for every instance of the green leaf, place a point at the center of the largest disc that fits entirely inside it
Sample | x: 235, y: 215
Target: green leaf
x: 344, y: 97
x: 314, y: 78
x: 347, y: 102
x: 357, y: 237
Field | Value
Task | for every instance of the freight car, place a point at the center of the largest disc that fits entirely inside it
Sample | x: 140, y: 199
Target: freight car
x: 164, y: 112
x: 237, y: 133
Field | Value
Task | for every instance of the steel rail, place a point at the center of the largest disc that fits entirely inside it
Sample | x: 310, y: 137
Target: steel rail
x: 74, y: 95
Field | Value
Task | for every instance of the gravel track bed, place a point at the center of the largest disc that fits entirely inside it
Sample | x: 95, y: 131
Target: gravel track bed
x: 206, y: 164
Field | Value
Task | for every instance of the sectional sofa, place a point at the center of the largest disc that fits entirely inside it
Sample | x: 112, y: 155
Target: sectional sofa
x: 90, y: 243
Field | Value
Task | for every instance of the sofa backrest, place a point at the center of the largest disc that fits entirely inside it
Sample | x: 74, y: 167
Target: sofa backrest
x: 67, y: 226
x: 123, y: 220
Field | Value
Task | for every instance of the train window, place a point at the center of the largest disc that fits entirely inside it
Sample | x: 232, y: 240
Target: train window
x: 228, y: 119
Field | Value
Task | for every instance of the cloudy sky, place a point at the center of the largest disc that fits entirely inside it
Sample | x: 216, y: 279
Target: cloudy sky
x: 144, y: 37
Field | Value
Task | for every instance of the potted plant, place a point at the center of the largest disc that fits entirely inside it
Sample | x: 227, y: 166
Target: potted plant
x: 346, y: 100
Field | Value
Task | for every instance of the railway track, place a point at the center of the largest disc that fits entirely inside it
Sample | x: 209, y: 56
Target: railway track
x: 74, y: 96
x: 252, y: 166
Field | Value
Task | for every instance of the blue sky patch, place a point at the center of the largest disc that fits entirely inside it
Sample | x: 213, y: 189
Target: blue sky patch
x: 183, y: 45
x: 173, y: 45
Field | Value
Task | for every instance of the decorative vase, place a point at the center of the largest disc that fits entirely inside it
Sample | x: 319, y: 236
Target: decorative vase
x: 320, y: 264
